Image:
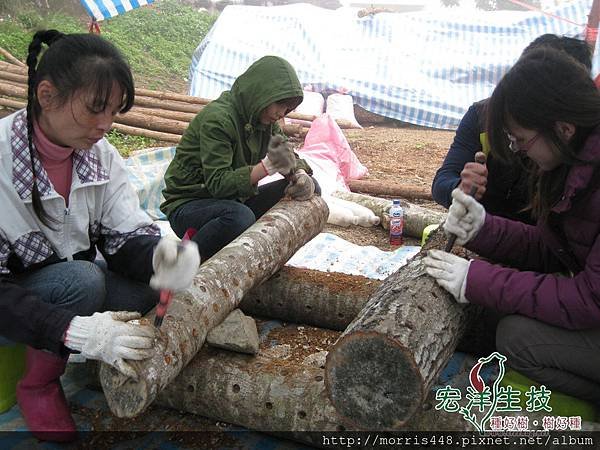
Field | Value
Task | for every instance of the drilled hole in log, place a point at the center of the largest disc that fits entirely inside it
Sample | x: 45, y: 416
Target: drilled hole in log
x: 421, y: 308
x: 318, y: 378
x: 340, y: 428
x: 258, y: 300
x: 279, y: 304
x: 264, y: 231
x: 340, y: 315
x: 202, y: 288
x: 269, y: 405
x: 308, y: 307
x: 245, y: 244
x: 191, y: 388
x: 235, y: 388
x: 231, y: 256
x: 302, y: 414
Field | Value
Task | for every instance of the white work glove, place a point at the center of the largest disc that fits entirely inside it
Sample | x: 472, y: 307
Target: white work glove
x: 280, y: 157
x: 175, y: 264
x: 465, y: 217
x: 301, y: 186
x: 108, y: 337
x: 450, y: 272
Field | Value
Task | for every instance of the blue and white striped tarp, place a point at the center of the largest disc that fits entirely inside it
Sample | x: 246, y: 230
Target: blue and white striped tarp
x: 424, y: 67
x: 105, y: 9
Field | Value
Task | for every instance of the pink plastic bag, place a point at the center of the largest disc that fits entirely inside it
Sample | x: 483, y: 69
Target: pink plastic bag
x: 326, y: 141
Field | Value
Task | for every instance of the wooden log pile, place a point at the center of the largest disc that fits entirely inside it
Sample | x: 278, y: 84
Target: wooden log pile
x: 218, y: 288
x: 164, y: 116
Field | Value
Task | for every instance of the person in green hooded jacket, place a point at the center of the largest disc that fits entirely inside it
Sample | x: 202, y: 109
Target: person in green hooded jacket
x: 231, y: 144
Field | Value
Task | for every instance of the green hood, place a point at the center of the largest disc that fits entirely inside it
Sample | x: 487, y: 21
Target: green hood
x: 268, y: 80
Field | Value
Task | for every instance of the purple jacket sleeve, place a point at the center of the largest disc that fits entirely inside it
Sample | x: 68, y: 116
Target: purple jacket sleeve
x: 572, y: 303
x: 515, y: 244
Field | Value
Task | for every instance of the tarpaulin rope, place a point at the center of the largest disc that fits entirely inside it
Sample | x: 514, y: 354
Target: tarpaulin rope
x: 535, y: 8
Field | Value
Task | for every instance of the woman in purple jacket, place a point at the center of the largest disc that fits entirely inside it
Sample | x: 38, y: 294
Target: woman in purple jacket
x: 548, y: 285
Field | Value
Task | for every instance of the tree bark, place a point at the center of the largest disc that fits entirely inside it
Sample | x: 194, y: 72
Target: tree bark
x: 171, y: 105
x: 388, y: 189
x: 152, y: 123
x: 416, y: 218
x: 380, y: 370
x: 133, y: 131
x: 323, y: 299
x: 218, y: 288
x: 11, y: 90
x: 13, y: 104
x: 165, y: 113
x: 257, y: 392
x: 294, y: 129
x: 15, y: 77
x: 11, y: 58
x: 172, y: 96
x: 12, y: 68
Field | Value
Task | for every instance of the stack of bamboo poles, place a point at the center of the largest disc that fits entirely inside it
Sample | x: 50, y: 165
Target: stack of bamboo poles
x: 159, y: 115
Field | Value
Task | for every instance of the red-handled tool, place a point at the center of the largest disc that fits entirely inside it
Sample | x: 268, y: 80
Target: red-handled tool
x: 166, y: 295
x: 479, y: 158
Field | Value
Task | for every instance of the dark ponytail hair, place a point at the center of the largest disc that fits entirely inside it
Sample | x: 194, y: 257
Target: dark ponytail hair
x: 72, y: 63
x: 544, y: 87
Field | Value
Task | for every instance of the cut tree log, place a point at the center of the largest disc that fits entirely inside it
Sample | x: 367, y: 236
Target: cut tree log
x: 15, y: 77
x: 416, y: 218
x: 13, y: 104
x: 218, y: 288
x: 172, y: 96
x: 12, y: 68
x: 133, y: 131
x: 378, y: 188
x: 11, y: 58
x: 256, y: 392
x: 171, y: 105
x: 167, y: 114
x: 154, y: 123
x: 323, y: 299
x: 11, y: 90
x: 382, y: 367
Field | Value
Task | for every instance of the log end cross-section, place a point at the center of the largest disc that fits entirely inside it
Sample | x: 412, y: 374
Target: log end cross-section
x: 380, y: 370
x: 378, y: 380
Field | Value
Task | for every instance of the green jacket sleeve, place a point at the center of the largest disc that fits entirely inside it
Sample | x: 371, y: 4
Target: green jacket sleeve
x: 226, y: 173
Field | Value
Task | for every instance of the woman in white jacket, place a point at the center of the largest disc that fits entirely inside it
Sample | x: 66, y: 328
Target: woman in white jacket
x: 65, y: 194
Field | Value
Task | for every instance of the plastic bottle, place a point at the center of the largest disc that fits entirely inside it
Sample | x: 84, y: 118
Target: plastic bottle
x: 396, y: 223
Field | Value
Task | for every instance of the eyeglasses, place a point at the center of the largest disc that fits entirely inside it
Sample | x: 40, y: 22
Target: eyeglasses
x: 515, y: 147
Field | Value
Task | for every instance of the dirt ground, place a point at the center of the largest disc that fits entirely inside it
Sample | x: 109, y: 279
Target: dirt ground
x: 399, y: 154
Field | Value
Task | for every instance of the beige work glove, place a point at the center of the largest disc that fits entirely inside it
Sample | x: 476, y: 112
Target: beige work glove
x: 175, y: 264
x: 280, y: 157
x: 301, y: 187
x: 465, y: 217
x: 450, y: 272
x: 110, y: 338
